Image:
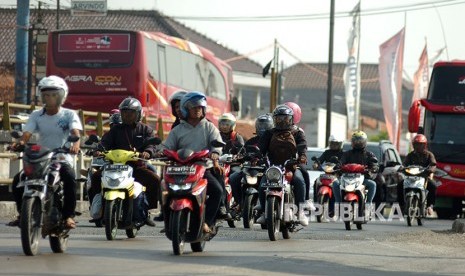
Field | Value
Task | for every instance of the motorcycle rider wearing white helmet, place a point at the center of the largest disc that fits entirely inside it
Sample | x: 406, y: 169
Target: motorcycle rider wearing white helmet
x: 195, y: 132
x: 54, y: 124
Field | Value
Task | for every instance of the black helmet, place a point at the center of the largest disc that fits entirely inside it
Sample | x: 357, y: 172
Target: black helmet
x: 283, y: 117
x: 115, y: 119
x: 263, y: 123
x: 359, y: 140
x: 176, y: 97
x: 132, y: 104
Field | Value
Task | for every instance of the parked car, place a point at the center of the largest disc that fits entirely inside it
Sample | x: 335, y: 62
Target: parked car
x: 314, y: 174
x: 388, y: 177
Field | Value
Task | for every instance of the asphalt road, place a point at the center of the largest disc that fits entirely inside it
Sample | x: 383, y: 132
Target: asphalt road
x: 381, y: 248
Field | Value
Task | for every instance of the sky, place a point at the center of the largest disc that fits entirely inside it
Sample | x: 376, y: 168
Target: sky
x: 308, y: 40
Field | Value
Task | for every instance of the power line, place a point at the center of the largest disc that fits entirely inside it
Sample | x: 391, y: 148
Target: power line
x: 318, y: 16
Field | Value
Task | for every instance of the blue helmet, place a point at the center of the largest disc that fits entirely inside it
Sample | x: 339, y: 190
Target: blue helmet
x: 193, y: 99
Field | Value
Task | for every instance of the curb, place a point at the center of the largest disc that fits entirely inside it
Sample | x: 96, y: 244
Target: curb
x: 8, y: 208
x: 458, y: 226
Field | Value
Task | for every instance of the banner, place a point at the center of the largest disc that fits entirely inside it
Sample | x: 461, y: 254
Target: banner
x: 421, y: 77
x: 352, y: 73
x: 390, y: 82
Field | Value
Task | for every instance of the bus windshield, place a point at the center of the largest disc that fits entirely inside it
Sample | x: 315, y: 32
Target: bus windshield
x: 447, y: 85
x: 446, y: 139
x: 93, y: 50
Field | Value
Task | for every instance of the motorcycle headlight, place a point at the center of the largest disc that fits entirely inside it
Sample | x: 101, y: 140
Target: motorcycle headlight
x: 177, y: 187
x: 114, y: 181
x: 251, y: 180
x: 440, y: 173
x: 273, y: 174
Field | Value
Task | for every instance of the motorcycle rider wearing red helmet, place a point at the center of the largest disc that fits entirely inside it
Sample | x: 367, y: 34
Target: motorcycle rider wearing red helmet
x: 422, y: 157
x: 195, y: 132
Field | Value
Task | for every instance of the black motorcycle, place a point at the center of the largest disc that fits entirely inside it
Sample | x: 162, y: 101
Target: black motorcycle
x: 41, y: 210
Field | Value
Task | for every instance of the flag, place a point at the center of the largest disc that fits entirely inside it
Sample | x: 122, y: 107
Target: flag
x: 266, y: 69
x: 436, y: 55
x: 421, y: 77
x: 390, y: 82
x: 352, y: 72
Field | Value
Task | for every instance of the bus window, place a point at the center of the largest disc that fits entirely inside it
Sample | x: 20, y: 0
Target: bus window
x: 447, y: 84
x: 93, y: 50
x: 151, y: 58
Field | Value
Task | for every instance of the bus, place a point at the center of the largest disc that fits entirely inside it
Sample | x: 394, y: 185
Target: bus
x: 102, y: 67
x: 441, y: 118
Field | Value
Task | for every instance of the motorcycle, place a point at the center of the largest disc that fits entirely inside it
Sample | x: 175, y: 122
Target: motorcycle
x: 96, y: 164
x: 353, y: 195
x: 415, y: 193
x: 324, y: 185
x: 249, y: 185
x: 279, y: 215
x: 42, y: 205
x: 185, y: 193
x: 225, y: 161
x: 124, y: 203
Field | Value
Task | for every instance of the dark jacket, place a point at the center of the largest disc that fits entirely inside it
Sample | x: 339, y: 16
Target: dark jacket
x: 424, y: 159
x: 253, y: 141
x: 232, y: 141
x: 328, y: 154
x: 129, y: 137
x: 176, y: 122
x: 360, y: 156
x: 264, y: 142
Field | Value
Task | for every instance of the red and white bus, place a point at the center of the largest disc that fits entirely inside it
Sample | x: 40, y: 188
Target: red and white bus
x: 102, y: 67
x: 441, y: 118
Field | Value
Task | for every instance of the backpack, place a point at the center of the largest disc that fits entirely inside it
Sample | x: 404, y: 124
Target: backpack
x: 282, y: 146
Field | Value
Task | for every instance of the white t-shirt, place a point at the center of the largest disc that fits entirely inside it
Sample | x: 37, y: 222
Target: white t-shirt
x: 53, y: 130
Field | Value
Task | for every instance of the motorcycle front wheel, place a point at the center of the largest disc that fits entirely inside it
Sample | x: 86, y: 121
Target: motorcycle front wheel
x: 323, y: 202
x: 59, y: 243
x: 110, y: 219
x: 272, y: 217
x: 178, y: 231
x: 31, y: 215
x: 247, y: 211
x: 412, y: 207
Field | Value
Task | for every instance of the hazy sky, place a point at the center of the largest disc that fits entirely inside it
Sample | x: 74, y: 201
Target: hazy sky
x: 309, y: 39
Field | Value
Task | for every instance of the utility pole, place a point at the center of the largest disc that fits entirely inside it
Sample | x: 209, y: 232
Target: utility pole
x: 58, y: 14
x: 330, y: 73
x: 22, y: 27
x: 274, y: 78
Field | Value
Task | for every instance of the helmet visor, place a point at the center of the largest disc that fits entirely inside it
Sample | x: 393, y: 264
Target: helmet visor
x: 282, y: 121
x: 195, y: 103
x: 359, y: 142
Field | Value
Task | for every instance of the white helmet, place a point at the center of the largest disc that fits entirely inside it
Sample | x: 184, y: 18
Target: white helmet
x: 53, y: 83
x: 335, y: 142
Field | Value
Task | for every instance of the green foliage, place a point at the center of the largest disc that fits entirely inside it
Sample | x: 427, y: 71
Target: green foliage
x: 382, y: 135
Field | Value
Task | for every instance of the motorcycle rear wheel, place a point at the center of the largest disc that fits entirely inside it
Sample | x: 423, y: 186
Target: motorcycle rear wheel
x: 110, y: 219
x: 272, y: 218
x: 131, y: 232
x: 59, y: 244
x: 31, y: 216
x: 178, y: 231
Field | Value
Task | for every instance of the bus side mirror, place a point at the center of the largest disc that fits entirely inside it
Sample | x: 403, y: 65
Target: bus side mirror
x: 234, y: 104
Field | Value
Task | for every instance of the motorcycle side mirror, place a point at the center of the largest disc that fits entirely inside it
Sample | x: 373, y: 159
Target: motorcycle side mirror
x: 16, y: 134
x: 217, y: 144
x: 92, y: 139
x: 73, y: 138
x: 314, y: 158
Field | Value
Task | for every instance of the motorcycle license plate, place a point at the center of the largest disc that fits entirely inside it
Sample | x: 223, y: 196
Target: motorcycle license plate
x: 112, y: 167
x: 182, y: 170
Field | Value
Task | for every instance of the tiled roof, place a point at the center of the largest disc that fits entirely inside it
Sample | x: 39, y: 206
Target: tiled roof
x: 117, y: 19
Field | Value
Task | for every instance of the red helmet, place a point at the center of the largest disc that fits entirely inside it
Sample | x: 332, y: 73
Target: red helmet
x: 419, y: 143
x: 297, y: 111
x: 420, y: 138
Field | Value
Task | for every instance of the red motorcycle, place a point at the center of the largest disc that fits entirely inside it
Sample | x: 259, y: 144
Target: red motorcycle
x: 324, y: 185
x: 185, y: 195
x: 225, y: 161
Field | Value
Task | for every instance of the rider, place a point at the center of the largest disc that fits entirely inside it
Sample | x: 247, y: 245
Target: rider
x: 128, y: 136
x: 262, y: 124
x: 425, y: 158
x: 195, y: 132
x: 359, y: 155
x: 280, y: 144
x: 227, y: 126
x: 335, y: 150
x: 175, y: 101
x: 54, y: 124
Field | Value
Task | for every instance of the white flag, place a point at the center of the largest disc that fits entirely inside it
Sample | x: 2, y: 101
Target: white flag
x: 352, y: 72
x: 390, y: 82
x: 421, y: 77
